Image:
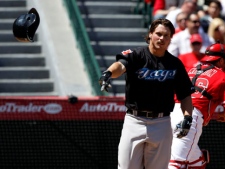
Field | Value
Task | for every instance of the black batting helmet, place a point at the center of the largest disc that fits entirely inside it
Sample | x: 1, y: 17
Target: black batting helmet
x: 25, y: 26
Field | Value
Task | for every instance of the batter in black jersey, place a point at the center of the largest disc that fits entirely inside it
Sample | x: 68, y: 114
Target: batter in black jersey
x: 153, y: 76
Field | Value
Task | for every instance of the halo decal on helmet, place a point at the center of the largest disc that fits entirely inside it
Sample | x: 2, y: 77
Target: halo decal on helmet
x: 25, y: 26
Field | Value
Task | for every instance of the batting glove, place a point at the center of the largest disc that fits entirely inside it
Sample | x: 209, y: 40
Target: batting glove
x: 184, y: 126
x: 104, y: 80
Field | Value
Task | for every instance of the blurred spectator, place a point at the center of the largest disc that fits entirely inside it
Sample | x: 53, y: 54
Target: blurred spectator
x: 223, y: 8
x: 181, y: 21
x: 193, y: 58
x: 217, y: 30
x: 161, y: 8
x: 188, y: 6
x: 180, y: 43
x: 213, y: 11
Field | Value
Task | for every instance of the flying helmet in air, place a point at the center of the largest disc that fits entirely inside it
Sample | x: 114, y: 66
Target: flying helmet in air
x: 25, y: 26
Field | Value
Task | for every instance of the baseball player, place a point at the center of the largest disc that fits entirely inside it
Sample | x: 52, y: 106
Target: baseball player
x: 209, y: 82
x: 153, y: 76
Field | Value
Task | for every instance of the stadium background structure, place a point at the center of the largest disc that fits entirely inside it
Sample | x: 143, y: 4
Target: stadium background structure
x: 81, y: 134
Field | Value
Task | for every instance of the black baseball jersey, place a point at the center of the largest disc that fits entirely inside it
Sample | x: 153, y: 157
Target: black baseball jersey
x: 151, y: 81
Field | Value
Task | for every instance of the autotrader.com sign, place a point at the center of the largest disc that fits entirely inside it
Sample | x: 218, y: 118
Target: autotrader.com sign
x: 50, y: 108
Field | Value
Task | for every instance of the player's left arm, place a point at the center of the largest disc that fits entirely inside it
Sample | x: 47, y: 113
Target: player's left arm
x: 185, y: 125
x: 186, y: 106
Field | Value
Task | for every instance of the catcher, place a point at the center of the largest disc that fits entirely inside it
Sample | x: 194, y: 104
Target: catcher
x: 209, y: 81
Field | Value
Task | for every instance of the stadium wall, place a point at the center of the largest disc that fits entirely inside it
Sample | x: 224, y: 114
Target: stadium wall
x: 71, y: 132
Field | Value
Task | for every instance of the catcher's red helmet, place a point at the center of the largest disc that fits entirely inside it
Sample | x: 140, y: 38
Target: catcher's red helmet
x: 25, y: 26
x: 214, y: 52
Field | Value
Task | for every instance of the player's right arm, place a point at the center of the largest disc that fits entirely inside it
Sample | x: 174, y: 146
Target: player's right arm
x: 114, y: 71
x: 117, y: 69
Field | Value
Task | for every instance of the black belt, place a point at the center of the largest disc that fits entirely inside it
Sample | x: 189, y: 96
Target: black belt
x: 148, y: 114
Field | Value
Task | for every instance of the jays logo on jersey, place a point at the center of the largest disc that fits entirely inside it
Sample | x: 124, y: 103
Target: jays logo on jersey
x: 160, y: 75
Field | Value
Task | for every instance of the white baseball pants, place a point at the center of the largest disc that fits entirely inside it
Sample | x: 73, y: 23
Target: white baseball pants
x: 186, y: 148
x: 145, y: 142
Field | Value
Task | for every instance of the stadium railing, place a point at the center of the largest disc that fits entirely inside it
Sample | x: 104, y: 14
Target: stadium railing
x: 82, y: 38
x: 144, y: 7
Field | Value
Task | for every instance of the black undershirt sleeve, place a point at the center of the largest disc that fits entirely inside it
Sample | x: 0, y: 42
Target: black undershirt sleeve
x: 123, y: 61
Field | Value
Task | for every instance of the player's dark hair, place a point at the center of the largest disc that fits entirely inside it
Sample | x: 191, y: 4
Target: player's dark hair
x: 154, y: 25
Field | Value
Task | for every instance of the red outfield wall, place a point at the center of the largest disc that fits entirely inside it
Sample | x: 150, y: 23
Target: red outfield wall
x: 83, y: 133
x: 60, y: 108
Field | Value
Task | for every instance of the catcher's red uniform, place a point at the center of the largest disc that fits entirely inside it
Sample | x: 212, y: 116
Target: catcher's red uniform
x: 185, y: 151
x: 212, y: 81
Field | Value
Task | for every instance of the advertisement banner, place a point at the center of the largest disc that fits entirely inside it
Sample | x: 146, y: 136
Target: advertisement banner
x: 67, y: 108
x: 62, y: 108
